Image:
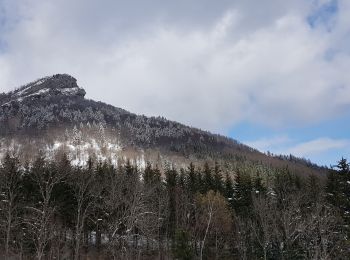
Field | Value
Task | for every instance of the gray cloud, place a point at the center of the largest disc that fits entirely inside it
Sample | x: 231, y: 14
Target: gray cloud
x: 209, y: 64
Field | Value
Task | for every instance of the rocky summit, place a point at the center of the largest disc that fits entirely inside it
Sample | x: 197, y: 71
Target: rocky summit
x: 57, y: 85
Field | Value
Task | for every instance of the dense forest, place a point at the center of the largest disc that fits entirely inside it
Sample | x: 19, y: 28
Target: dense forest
x: 54, y: 210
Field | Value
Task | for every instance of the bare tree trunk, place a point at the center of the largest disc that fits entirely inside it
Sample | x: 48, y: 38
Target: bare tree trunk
x: 77, y: 234
x: 8, y: 231
x: 40, y: 253
x: 86, y: 243
x: 21, y: 251
x: 216, y: 245
x: 98, y: 239
x: 206, y: 232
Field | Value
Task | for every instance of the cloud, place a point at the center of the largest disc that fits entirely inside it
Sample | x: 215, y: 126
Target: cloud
x: 323, y: 150
x: 318, y: 146
x: 269, y: 144
x: 204, y: 64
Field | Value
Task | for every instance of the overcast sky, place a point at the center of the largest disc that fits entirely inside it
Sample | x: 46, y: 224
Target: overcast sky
x: 273, y: 73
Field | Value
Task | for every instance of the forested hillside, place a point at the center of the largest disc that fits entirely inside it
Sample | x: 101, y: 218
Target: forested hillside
x: 55, y: 210
x: 51, y: 115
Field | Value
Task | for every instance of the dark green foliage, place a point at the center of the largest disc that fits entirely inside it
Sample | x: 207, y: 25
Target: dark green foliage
x: 338, y: 190
x: 182, y: 249
x: 10, y: 172
x: 208, y: 182
x: 148, y: 176
x: 171, y: 178
x: 314, y: 189
x: 242, y: 195
x: 333, y: 193
x: 217, y: 182
x: 200, y: 186
x: 182, y: 179
x: 129, y: 169
x: 285, y: 183
x: 228, y: 187
x: 258, y: 186
x: 192, y: 180
x: 343, y: 167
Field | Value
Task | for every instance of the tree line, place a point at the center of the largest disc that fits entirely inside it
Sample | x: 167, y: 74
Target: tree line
x: 51, y: 209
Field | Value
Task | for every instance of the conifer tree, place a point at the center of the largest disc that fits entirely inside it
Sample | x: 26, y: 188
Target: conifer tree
x: 148, y: 174
x: 157, y: 176
x: 200, y: 186
x: 242, y: 195
x: 182, y: 179
x: 63, y: 192
x: 314, y: 189
x: 218, y: 185
x: 258, y: 187
x: 208, y: 178
x: 129, y: 169
x: 228, y: 187
x: 191, y: 179
x: 171, y: 177
x: 338, y: 190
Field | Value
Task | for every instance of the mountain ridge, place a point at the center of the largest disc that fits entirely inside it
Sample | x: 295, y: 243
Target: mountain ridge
x: 54, y: 110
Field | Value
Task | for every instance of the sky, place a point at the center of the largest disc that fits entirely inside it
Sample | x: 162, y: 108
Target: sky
x: 273, y: 74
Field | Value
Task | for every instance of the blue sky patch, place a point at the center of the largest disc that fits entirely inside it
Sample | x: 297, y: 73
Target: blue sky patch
x: 324, y: 15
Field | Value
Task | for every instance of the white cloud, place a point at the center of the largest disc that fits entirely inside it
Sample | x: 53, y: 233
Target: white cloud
x: 318, y: 146
x: 230, y: 63
x: 323, y: 150
x: 269, y: 144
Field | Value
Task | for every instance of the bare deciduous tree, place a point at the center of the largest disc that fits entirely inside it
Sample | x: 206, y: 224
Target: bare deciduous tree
x: 262, y: 225
x: 211, y: 213
x: 83, y: 192
x: 10, y: 180
x: 322, y: 236
x: 40, y: 217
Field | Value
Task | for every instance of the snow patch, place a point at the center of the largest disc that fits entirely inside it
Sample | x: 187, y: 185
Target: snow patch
x: 141, y: 162
x: 12, y: 148
x: 40, y: 92
x: 69, y: 91
x: 79, y: 153
x: 39, y: 82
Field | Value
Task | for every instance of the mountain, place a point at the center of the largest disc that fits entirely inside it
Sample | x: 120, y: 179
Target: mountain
x: 52, y: 115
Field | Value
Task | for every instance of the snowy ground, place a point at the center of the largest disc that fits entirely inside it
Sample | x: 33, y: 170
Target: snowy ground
x: 78, y: 153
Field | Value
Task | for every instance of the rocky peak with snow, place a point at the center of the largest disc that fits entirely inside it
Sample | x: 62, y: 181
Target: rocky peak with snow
x: 56, y: 85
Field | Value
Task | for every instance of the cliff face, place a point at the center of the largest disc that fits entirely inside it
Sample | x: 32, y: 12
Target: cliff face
x: 55, y: 86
